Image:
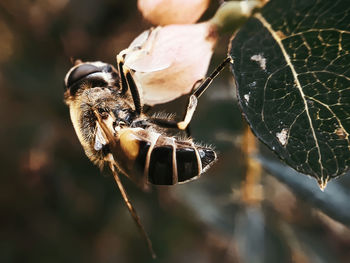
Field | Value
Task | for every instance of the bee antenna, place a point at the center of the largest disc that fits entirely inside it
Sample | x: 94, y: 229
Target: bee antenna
x: 132, y: 211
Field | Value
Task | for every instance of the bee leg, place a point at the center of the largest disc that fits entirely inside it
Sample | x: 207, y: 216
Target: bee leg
x: 205, y: 84
x: 196, y: 84
x: 182, y: 125
x: 192, y: 101
x: 132, y: 210
x: 128, y: 83
x: 170, y: 124
x: 124, y: 84
x: 134, y: 91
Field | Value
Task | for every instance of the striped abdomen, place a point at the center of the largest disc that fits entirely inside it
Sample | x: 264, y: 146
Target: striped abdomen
x: 166, y: 161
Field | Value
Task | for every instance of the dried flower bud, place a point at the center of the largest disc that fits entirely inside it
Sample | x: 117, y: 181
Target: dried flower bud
x: 165, y: 12
x: 169, y: 60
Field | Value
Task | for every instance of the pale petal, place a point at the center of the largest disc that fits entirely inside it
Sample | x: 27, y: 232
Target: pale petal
x: 165, y: 12
x: 140, y: 54
x: 171, y: 60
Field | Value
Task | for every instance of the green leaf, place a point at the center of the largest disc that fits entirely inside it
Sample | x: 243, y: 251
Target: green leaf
x: 292, y: 68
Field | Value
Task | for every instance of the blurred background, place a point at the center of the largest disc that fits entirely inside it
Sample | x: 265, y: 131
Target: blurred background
x: 57, y: 207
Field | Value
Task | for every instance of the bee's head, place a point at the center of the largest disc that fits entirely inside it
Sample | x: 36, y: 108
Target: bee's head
x: 88, y: 75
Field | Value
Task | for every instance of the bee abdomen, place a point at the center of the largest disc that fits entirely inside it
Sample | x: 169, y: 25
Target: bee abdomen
x: 174, y: 162
x: 161, y: 166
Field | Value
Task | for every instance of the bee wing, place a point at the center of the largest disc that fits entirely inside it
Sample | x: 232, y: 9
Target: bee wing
x: 106, y: 135
x: 100, y: 139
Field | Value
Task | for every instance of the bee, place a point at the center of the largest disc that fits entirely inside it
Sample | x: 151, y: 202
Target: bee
x: 109, y: 119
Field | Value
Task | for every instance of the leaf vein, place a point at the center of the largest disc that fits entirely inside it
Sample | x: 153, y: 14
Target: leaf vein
x: 268, y: 26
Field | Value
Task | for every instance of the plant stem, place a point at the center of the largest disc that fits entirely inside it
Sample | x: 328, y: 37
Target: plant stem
x: 231, y: 15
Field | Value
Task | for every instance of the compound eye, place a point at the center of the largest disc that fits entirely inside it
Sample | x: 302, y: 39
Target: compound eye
x: 80, y: 72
